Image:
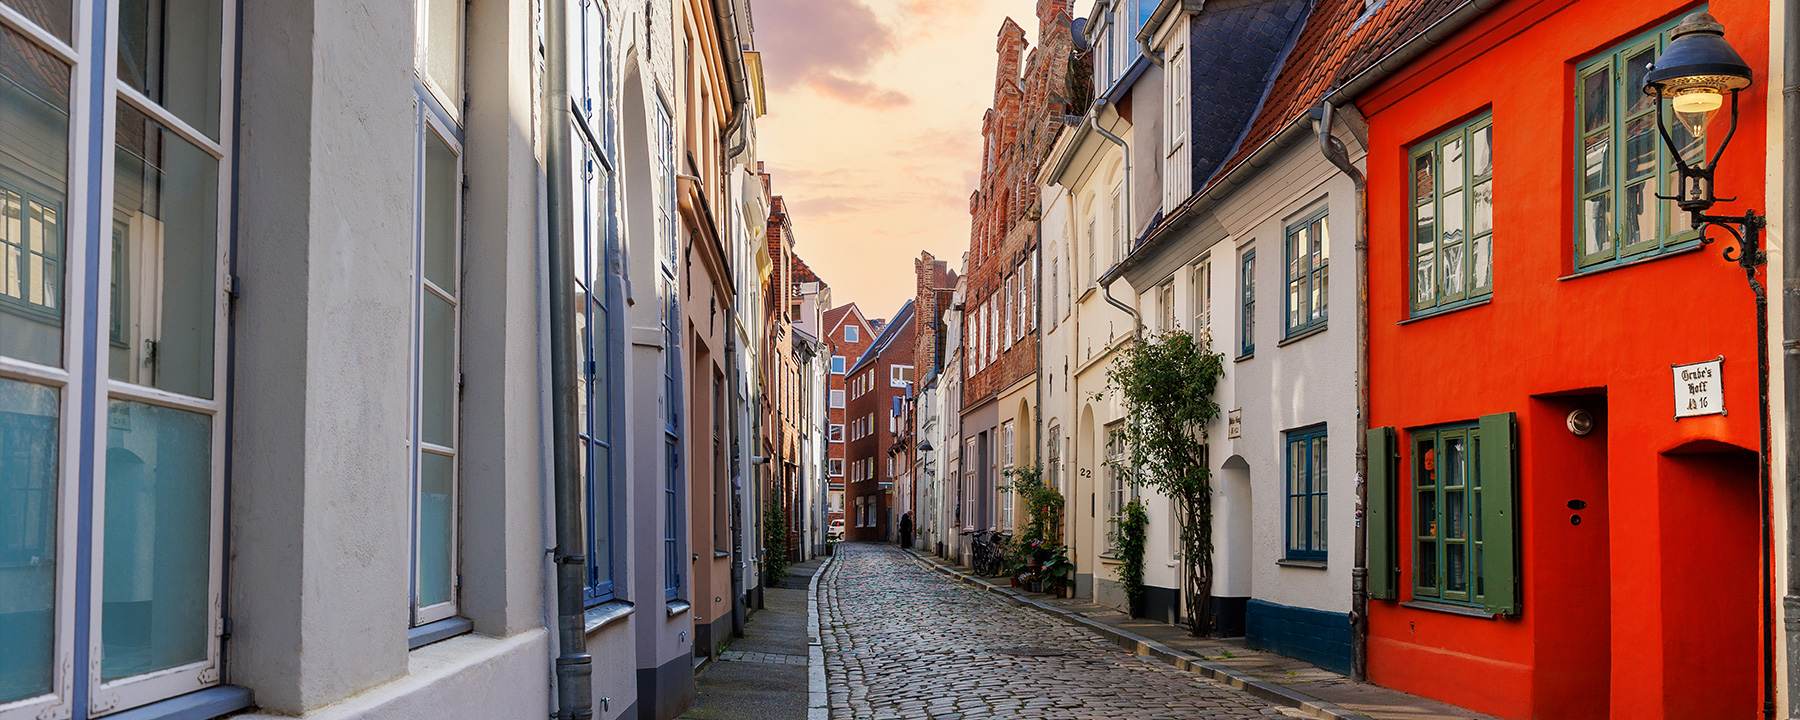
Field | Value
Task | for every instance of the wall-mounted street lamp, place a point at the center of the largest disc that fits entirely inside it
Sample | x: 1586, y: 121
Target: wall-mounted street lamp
x: 1694, y: 75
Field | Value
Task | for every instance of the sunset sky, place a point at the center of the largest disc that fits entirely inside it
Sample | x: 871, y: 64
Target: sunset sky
x: 873, y: 134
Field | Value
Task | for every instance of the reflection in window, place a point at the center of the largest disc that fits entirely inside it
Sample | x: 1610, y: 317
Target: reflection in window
x: 169, y: 51
x: 155, y: 588
x: 165, y: 196
x: 34, y: 162
x: 28, y: 452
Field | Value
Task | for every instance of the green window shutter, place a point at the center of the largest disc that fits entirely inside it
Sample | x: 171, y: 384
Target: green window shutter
x: 1379, y: 514
x: 1499, y: 515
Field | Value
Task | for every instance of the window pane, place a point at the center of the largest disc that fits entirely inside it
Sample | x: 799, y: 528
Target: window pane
x: 1636, y: 67
x: 1597, y: 154
x: 1424, y: 179
x: 437, y: 371
x: 440, y: 216
x: 437, y: 482
x: 1453, y: 270
x: 34, y: 167
x: 28, y: 453
x: 1424, y: 280
x: 1481, y: 262
x: 1481, y: 152
x: 1641, y: 142
x: 1596, y: 99
x: 1455, y: 571
x: 1640, y: 214
x: 1425, y: 566
x: 1597, y: 231
x: 1482, y: 198
x: 443, y: 45
x: 1425, y: 230
x: 169, y: 50
x: 600, y: 512
x: 1452, y: 179
x: 155, y: 610
x: 166, y: 196
x: 56, y: 16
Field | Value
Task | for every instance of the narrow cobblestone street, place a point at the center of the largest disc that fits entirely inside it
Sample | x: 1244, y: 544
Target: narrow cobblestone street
x: 902, y: 641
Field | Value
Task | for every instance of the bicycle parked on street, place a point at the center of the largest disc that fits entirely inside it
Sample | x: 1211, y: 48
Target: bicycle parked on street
x: 989, y: 549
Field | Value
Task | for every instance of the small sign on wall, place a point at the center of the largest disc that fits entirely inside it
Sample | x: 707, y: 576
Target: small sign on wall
x: 1234, y: 423
x: 1700, y: 388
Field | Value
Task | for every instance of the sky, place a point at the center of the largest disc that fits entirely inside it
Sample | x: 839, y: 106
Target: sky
x: 873, y: 131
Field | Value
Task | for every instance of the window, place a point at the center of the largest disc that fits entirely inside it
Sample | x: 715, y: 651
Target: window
x: 835, y: 433
x: 837, y: 364
x: 1165, y: 300
x: 599, y: 292
x: 837, y: 399
x: 1053, y: 465
x: 435, y: 376
x: 1305, y: 510
x: 1093, y: 261
x: 1202, y: 294
x: 1119, y: 223
x: 1453, y: 216
x: 663, y: 144
x: 1175, y: 166
x: 1007, y: 444
x: 147, y: 543
x: 900, y: 375
x: 1308, y: 249
x: 1116, y: 485
x: 852, y: 334
x: 1624, y: 163
x: 1247, y: 314
x: 837, y: 467
x: 1463, y: 524
x: 1055, y: 293
x: 1008, y: 311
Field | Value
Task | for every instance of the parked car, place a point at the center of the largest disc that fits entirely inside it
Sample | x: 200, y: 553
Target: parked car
x: 837, y: 530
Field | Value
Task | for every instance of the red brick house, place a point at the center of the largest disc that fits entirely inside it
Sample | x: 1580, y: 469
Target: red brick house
x: 877, y: 381
x: 848, y: 334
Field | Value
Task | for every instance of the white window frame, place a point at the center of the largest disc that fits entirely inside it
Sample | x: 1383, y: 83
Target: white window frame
x: 837, y: 399
x: 852, y: 334
x: 446, y: 610
x: 834, y: 432
x: 837, y: 364
x: 1008, y: 438
x: 898, y: 375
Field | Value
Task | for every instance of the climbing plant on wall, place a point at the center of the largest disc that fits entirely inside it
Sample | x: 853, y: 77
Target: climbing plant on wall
x: 1166, y: 383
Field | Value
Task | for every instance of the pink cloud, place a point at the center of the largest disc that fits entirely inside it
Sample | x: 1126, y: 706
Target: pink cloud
x: 827, y: 45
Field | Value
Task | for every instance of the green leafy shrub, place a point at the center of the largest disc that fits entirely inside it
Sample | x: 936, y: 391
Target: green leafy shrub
x: 1128, y: 541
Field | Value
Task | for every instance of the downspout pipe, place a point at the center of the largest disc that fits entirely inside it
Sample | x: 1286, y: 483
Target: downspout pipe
x: 1333, y: 149
x: 574, y: 666
x: 1106, y: 279
x: 1790, y: 341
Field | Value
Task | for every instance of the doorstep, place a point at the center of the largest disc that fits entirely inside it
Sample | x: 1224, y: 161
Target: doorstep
x: 1276, y: 678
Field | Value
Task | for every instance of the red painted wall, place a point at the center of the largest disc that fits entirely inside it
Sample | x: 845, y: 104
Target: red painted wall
x: 1648, y: 608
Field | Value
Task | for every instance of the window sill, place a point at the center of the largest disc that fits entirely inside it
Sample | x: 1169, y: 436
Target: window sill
x: 721, y: 554
x: 1630, y: 263
x: 1449, y: 609
x: 441, y: 630
x: 604, y: 614
x: 1245, y: 356
x: 1460, y: 306
x: 1302, y: 335
x: 1302, y: 564
x: 677, y: 607
x: 1111, y: 560
x: 200, y: 705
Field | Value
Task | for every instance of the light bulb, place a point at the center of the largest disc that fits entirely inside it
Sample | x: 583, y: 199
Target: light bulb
x: 1695, y: 107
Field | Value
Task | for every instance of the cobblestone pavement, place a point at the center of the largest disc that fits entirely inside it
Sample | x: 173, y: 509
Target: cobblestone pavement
x: 903, y: 642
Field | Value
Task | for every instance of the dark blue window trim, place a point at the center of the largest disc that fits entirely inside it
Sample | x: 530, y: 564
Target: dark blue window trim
x: 198, y: 705
x: 1305, y: 498
x: 1302, y: 281
x: 441, y: 630
x: 604, y: 338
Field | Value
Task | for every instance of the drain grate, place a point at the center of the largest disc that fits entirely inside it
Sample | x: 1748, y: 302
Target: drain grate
x: 1029, y: 651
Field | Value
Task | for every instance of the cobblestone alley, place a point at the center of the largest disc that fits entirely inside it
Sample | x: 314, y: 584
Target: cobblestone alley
x: 902, y: 641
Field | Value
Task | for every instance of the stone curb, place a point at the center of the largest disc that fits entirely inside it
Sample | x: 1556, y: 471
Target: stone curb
x: 818, y: 705
x: 1141, y: 645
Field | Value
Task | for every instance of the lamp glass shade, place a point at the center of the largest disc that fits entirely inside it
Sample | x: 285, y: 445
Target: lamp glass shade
x: 1695, y: 107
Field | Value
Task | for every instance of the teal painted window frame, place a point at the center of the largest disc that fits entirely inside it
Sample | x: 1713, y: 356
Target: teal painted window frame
x: 1306, y: 271
x: 1434, y: 251
x: 1605, y: 184
x: 1247, y: 303
x: 1436, y: 585
x: 1306, y: 505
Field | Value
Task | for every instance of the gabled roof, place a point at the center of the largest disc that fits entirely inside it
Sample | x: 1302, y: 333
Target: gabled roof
x: 835, y: 317
x: 901, y: 321
x: 1235, y: 50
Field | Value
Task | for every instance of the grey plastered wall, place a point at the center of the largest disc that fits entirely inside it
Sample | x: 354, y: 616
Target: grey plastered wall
x: 505, y: 384
x: 320, y: 502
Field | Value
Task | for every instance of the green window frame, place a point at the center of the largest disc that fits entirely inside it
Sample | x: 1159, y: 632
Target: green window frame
x: 1464, y: 520
x: 1621, y: 161
x: 1307, y: 254
x: 1247, y: 314
x: 1453, y: 216
x: 1306, y: 497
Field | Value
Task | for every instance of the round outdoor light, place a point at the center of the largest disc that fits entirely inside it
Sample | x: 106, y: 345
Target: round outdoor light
x: 1697, y: 70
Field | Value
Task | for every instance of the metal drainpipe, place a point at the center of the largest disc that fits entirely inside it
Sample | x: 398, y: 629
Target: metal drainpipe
x: 1790, y: 321
x: 574, y: 667
x: 1359, y: 573
x: 1106, y: 279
